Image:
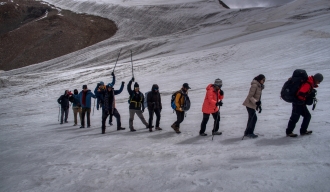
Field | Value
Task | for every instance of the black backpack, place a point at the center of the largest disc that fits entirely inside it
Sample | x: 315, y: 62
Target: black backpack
x: 292, y: 85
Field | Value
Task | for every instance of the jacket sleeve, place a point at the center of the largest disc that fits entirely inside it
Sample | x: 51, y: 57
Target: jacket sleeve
x: 96, y: 88
x: 303, y: 91
x: 92, y: 95
x: 149, y: 103
x: 211, y: 99
x: 220, y: 97
x: 177, y: 100
x: 252, y: 92
x: 129, y: 89
x: 160, y: 102
x: 59, y: 100
x: 120, y: 90
x: 142, y: 102
x: 113, y: 80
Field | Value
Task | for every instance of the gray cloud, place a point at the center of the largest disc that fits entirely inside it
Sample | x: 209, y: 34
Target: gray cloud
x: 254, y: 3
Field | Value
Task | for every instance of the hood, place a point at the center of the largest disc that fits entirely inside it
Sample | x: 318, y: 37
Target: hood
x: 310, y: 80
x: 210, y: 86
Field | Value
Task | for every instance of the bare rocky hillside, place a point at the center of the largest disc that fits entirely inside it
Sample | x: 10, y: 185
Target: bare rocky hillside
x: 33, y: 31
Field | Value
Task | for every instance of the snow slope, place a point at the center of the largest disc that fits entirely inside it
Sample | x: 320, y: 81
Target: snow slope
x: 201, y: 43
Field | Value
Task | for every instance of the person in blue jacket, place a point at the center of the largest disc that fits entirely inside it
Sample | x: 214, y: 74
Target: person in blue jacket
x: 109, y: 105
x: 85, y: 101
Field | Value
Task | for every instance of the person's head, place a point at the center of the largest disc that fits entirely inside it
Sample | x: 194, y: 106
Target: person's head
x: 109, y: 86
x: 260, y: 78
x: 84, y: 87
x: 101, y: 84
x: 136, y: 86
x: 185, y: 87
x: 75, y: 92
x: 66, y: 92
x: 155, y: 88
x: 318, y: 78
x: 217, y: 84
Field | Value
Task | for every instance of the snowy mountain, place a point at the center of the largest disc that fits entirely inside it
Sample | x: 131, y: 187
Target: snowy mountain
x: 173, y: 42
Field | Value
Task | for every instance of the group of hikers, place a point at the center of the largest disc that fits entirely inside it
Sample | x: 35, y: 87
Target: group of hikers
x: 298, y: 90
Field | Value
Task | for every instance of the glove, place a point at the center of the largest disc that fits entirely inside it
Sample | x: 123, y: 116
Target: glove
x: 219, y: 103
x: 258, y: 103
x: 221, y: 92
x: 259, y: 108
x: 132, y: 79
x: 180, y: 109
x: 112, y: 74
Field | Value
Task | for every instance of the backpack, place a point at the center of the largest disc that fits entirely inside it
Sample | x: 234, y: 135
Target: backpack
x: 186, y: 103
x: 292, y: 85
x: 145, y: 103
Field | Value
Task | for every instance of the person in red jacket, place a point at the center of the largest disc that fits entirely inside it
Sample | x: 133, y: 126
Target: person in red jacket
x: 211, y: 105
x: 305, y: 92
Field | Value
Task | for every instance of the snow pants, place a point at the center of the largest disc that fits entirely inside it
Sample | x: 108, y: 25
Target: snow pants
x: 298, y: 110
x: 251, y: 124
x: 139, y: 114
x: 151, y: 116
x: 216, y: 117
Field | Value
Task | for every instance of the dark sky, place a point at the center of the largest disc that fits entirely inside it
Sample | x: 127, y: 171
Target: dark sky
x: 254, y: 3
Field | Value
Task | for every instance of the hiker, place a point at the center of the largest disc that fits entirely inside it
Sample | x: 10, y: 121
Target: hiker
x: 63, y: 100
x: 85, y: 100
x: 100, y: 87
x: 253, y: 104
x: 154, y: 106
x: 211, y: 105
x: 180, y: 99
x: 304, y: 96
x: 76, y: 107
x: 136, y: 100
x: 109, y: 105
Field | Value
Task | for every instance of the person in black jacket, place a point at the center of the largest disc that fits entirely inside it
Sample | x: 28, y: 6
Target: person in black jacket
x: 63, y: 100
x: 136, y: 105
x: 154, y: 106
x: 109, y: 105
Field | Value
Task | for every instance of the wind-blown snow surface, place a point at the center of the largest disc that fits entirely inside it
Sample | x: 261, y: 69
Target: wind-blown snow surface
x: 39, y: 154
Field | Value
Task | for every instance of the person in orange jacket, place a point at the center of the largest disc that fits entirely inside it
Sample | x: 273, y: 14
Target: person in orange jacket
x: 211, y: 105
x: 305, y: 93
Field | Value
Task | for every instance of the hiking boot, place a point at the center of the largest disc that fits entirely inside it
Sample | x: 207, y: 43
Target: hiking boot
x: 103, y: 131
x: 147, y: 126
x: 132, y: 130
x: 176, y: 129
x: 150, y: 129
x: 253, y: 136
x: 158, y: 128
x: 217, y: 133
x: 74, y: 124
x: 88, y: 126
x: 291, y: 135
x: 82, y: 126
x: 307, y: 133
x: 203, y: 134
x: 120, y: 128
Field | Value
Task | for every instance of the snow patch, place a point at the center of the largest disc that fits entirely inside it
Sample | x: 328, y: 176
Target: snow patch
x: 3, y: 3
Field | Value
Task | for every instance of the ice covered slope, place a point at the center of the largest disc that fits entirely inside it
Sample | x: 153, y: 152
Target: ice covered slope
x: 45, y: 156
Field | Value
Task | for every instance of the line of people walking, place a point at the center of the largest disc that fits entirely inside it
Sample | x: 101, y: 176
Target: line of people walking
x: 138, y: 102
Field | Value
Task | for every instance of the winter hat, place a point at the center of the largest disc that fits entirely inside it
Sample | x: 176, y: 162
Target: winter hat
x: 218, y: 82
x: 101, y: 83
x: 75, y: 92
x: 136, y: 85
x: 259, y: 77
x: 110, y: 85
x: 84, y: 86
x: 185, y: 85
x: 318, y: 77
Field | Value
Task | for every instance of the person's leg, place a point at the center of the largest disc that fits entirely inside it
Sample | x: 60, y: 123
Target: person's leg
x: 216, y: 124
x: 79, y: 111
x: 110, y: 119
x: 83, y: 112
x: 131, y: 119
x: 117, y: 116
x: 157, y: 112
x: 140, y: 115
x: 75, y: 113
x: 66, y: 115
x: 88, y: 117
x: 151, y: 117
x: 62, y: 115
x: 180, y: 118
x: 104, y: 119
x: 204, y: 122
x: 307, y: 118
x: 251, y: 121
x: 295, y: 115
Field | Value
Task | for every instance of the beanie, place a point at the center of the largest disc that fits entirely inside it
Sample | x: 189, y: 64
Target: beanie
x: 75, y: 92
x: 84, y: 86
x: 101, y: 83
x: 218, y: 82
x: 136, y: 85
x: 318, y: 77
x: 110, y: 85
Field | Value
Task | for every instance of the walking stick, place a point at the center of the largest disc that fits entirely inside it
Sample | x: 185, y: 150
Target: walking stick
x: 132, y: 65
x: 116, y: 61
x: 58, y: 118
x: 216, y: 121
x: 94, y: 107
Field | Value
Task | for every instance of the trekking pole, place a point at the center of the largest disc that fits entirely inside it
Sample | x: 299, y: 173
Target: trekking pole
x: 216, y: 121
x: 249, y: 124
x: 116, y: 61
x: 132, y: 65
x: 58, y: 118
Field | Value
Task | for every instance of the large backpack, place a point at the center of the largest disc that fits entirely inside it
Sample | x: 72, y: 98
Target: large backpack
x: 186, y: 104
x: 292, y: 85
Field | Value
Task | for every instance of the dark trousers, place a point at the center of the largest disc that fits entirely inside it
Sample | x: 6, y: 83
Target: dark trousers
x: 64, y: 114
x: 251, y: 124
x: 151, y: 116
x: 110, y: 118
x: 105, y: 116
x: 298, y: 110
x: 216, y: 117
x: 83, y: 112
x: 179, y: 118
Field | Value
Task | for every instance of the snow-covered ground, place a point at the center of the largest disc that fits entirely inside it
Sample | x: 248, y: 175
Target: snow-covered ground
x: 174, y: 42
